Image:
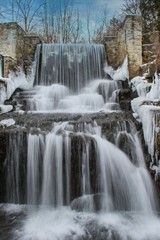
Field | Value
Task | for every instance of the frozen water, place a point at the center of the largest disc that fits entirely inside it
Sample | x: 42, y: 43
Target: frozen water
x: 7, y: 122
x: 146, y: 106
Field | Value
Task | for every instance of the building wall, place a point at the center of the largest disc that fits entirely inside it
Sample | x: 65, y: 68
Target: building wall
x: 30, y: 43
x: 16, y: 47
x: 128, y: 42
x: 11, y: 39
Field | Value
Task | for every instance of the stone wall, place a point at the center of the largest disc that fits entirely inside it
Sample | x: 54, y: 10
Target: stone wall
x: 30, y: 43
x: 111, y: 45
x: 11, y: 39
x: 16, y: 47
x: 127, y: 42
x: 9, y: 63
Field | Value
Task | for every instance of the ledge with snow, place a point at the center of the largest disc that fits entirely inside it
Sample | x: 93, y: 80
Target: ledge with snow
x: 146, y: 108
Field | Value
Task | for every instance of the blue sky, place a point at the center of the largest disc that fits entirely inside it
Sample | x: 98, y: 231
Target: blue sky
x: 94, y: 7
x: 112, y: 6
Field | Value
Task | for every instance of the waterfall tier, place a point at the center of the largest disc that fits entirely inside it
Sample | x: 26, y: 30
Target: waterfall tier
x: 72, y: 65
x: 74, y: 161
x: 70, y: 78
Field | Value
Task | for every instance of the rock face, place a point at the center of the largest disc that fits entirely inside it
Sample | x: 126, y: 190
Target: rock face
x: 150, y: 46
x: 150, y: 54
x: 127, y: 42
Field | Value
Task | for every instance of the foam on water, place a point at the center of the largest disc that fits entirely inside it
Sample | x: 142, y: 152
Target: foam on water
x: 97, y: 95
x: 62, y: 224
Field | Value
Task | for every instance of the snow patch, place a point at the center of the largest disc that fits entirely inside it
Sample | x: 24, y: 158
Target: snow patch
x: 140, y: 85
x: 121, y: 73
x: 5, y: 108
x: 145, y: 108
x: 14, y: 81
x: 7, y: 122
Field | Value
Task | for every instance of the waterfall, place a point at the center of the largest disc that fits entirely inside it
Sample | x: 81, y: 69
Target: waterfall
x: 70, y: 77
x: 79, y: 173
x: 54, y: 178
x: 69, y: 64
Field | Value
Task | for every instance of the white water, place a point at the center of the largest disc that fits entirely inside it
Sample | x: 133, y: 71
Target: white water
x: 98, y: 95
x: 74, y: 167
x: 71, y: 78
x: 72, y: 65
x: 51, y: 177
x: 126, y: 196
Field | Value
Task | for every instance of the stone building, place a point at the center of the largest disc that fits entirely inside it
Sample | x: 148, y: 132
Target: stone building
x: 127, y: 42
x: 15, y: 45
x: 143, y: 50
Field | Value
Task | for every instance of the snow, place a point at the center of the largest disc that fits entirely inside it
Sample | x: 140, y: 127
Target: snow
x: 7, y: 122
x: 10, y: 84
x: 155, y: 89
x: 5, y: 108
x: 3, y: 94
x: 146, y: 107
x: 109, y: 70
x: 140, y: 85
x: 14, y: 81
x: 121, y: 73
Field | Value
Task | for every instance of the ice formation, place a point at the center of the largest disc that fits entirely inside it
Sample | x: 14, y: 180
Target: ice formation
x: 146, y: 107
x: 5, y: 108
x: 10, y: 84
x: 7, y: 122
x: 121, y: 73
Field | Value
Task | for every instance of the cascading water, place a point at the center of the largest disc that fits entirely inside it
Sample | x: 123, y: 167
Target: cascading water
x: 70, y: 78
x: 70, y: 65
x: 74, y: 183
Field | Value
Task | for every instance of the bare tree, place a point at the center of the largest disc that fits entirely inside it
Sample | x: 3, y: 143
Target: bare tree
x: 114, y: 26
x: 131, y: 7
x: 76, y: 29
x: 65, y: 26
x: 100, y: 28
x: 27, y: 12
x: 149, y: 10
x: 88, y: 19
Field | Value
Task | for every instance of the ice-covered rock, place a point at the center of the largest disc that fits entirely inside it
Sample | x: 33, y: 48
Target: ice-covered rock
x: 5, y: 108
x: 7, y: 122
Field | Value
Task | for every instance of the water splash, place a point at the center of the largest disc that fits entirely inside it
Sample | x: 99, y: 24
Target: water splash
x: 98, y: 95
x: 75, y: 160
